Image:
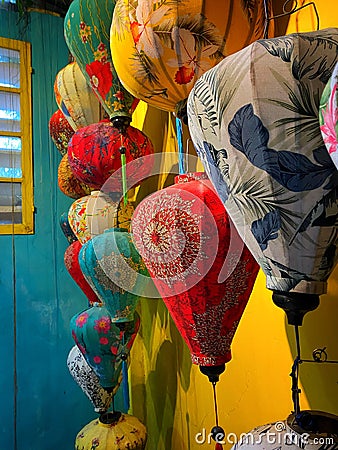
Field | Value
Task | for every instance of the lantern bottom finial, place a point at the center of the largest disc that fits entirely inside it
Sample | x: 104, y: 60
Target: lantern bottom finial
x: 121, y: 123
x: 295, y: 304
x: 109, y: 418
x: 213, y: 372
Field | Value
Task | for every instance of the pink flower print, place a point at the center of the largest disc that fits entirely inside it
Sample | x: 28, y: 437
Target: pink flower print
x: 114, y: 349
x: 102, y: 325
x: 330, y: 117
x: 104, y: 341
x: 84, y: 32
x: 81, y: 319
x: 119, y: 95
x: 190, y: 60
x: 97, y: 359
x: 101, y: 47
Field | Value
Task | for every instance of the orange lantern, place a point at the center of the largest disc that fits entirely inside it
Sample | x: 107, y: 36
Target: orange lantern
x: 160, y: 49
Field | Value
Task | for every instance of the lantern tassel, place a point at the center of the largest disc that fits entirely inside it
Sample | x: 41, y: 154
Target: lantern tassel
x: 179, y: 133
x: 124, y: 174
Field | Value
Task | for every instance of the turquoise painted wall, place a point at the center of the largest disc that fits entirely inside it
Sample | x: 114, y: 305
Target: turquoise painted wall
x: 41, y: 407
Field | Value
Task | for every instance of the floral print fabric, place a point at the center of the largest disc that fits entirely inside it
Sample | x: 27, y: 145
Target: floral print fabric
x: 254, y: 123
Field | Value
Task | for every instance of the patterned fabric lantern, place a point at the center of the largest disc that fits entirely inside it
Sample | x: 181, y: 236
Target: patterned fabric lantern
x: 92, y: 214
x: 104, y: 344
x: 65, y: 227
x: 88, y: 381
x: 160, y: 49
x: 71, y: 260
x: 115, y: 270
x: 113, y: 431
x: 254, y: 123
x: 68, y: 183
x: 86, y: 28
x: 328, y: 116
x: 94, y: 154
x: 60, y: 131
x: 75, y: 98
x: 185, y: 237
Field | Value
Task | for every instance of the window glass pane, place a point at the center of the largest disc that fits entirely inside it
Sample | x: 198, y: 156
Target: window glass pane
x: 9, y: 68
x: 10, y: 203
x: 10, y: 157
x: 9, y: 111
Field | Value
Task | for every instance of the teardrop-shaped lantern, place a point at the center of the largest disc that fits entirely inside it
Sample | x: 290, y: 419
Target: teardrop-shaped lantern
x: 68, y: 183
x: 71, y: 260
x: 92, y: 214
x: 198, y: 263
x: 254, y: 122
x: 86, y: 28
x: 160, y: 49
x: 75, y: 97
x: 88, y: 381
x: 328, y: 116
x: 94, y: 154
x: 66, y: 229
x: 113, y: 431
x: 104, y: 344
x: 60, y: 131
x: 115, y: 270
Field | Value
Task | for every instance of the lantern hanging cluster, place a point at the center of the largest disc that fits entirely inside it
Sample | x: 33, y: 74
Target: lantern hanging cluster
x: 254, y: 123
x: 160, y: 49
x: 200, y: 266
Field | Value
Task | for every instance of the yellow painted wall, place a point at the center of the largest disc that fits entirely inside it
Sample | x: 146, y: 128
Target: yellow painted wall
x: 174, y: 399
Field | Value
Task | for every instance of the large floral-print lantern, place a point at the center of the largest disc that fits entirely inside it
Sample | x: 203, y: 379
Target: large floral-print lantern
x: 60, y: 131
x: 75, y: 97
x: 104, y: 344
x: 71, y: 261
x: 160, y: 49
x: 254, y: 122
x: 92, y: 214
x: 68, y: 183
x: 89, y: 382
x: 94, y: 154
x: 200, y: 266
x: 86, y: 28
x: 113, y: 431
x: 328, y: 116
x: 115, y: 271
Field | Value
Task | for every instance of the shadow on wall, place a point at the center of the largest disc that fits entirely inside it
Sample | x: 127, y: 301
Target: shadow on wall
x: 163, y: 360
x: 319, y: 380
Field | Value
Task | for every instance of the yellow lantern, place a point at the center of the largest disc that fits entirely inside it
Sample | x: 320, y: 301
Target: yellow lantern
x: 160, y: 49
x: 112, y: 431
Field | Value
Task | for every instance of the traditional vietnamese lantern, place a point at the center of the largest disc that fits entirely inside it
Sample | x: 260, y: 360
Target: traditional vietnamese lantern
x: 92, y: 214
x: 104, y: 344
x: 94, y: 154
x: 328, y: 116
x: 159, y: 50
x: 254, y: 123
x: 200, y: 266
x: 88, y: 381
x: 60, y: 131
x: 113, y: 431
x: 71, y: 260
x: 68, y: 183
x: 115, y: 271
x: 75, y: 97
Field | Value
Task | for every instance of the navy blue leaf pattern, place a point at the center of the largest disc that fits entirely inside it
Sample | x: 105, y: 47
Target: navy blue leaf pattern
x: 294, y: 171
x: 266, y: 229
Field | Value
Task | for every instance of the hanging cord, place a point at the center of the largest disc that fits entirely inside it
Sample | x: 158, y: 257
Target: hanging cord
x: 286, y: 13
x: 217, y: 432
x: 125, y: 383
x: 179, y: 134
x: 295, y: 375
x: 123, y: 150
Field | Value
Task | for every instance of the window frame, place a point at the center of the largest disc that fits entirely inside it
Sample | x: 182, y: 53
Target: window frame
x: 25, y: 90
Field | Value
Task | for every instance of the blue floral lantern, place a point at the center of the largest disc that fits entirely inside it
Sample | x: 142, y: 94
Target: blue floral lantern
x: 254, y: 122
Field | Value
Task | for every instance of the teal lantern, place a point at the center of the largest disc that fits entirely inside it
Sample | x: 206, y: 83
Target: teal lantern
x: 87, y: 33
x: 115, y: 271
x: 104, y: 344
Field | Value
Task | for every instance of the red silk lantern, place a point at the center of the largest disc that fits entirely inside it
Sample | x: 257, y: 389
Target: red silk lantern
x: 183, y: 234
x: 94, y: 154
x: 72, y: 265
x: 60, y: 131
x: 68, y: 183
